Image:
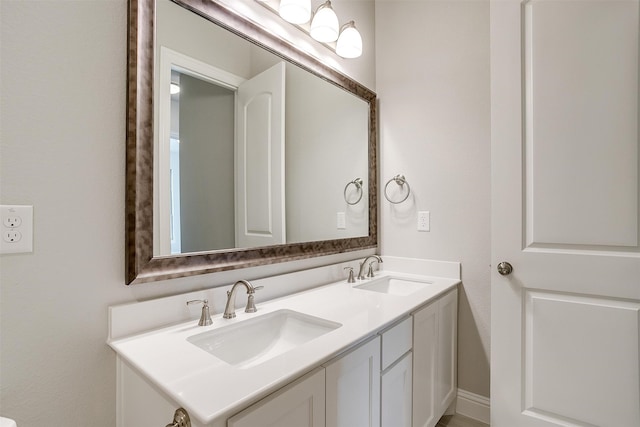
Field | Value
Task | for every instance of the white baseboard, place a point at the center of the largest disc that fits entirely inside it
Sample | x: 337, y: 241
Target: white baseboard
x: 473, y: 406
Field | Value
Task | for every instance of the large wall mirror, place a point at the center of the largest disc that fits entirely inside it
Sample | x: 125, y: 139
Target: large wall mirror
x: 241, y: 150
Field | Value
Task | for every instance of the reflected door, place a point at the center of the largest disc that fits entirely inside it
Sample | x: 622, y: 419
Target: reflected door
x: 260, y: 201
x: 565, y: 184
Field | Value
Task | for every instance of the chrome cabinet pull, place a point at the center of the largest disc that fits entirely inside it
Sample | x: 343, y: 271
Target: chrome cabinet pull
x: 180, y: 419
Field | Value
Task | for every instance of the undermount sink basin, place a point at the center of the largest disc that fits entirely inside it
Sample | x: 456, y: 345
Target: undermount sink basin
x: 392, y: 286
x: 254, y: 341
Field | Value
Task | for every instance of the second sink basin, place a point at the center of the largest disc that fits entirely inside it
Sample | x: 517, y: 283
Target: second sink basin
x: 251, y: 342
x: 394, y: 286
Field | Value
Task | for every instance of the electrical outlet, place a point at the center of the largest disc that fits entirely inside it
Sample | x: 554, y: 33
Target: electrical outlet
x: 424, y: 221
x: 11, y: 236
x: 12, y: 221
x: 16, y: 229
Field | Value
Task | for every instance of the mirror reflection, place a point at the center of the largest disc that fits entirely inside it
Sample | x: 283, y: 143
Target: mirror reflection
x: 250, y: 150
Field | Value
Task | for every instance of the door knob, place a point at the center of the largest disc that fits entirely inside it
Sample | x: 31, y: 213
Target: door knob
x: 504, y: 268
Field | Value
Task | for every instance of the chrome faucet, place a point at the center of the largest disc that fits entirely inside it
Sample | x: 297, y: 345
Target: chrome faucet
x: 362, y: 264
x: 230, y: 310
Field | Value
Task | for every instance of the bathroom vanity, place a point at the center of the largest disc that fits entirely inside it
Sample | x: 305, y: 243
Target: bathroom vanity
x: 378, y: 352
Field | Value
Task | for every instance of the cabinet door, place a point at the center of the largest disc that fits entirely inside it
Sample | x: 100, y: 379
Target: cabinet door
x: 300, y: 404
x: 425, y: 337
x: 139, y: 402
x: 396, y: 394
x: 353, y: 388
x: 446, y: 383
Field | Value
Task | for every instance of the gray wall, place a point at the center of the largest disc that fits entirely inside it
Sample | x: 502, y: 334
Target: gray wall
x: 62, y: 149
x: 433, y: 83
x: 185, y: 32
x: 207, y: 202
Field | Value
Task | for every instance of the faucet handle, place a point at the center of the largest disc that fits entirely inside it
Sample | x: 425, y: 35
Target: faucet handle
x: 251, y: 305
x: 205, y: 316
x: 205, y: 302
x: 351, y: 279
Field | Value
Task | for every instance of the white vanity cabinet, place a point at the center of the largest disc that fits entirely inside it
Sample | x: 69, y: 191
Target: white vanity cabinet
x: 402, y: 375
x: 434, y: 359
x: 353, y: 387
x: 446, y: 373
x: 343, y: 393
x: 397, y: 375
x: 299, y: 404
x: 139, y: 403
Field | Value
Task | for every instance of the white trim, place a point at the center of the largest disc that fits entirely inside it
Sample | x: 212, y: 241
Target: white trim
x: 119, y: 392
x: 473, y: 406
x: 170, y: 59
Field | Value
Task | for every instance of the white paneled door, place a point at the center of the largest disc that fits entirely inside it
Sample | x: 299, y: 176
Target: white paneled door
x: 259, y: 154
x: 565, y: 196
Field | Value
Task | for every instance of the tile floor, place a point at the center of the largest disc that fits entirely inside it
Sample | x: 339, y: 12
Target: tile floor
x: 459, y: 421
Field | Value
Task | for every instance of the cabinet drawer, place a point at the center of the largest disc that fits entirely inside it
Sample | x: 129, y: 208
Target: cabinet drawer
x: 396, y: 341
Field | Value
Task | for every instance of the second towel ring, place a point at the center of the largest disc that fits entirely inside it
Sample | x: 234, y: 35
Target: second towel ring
x: 358, y: 184
x: 401, y: 181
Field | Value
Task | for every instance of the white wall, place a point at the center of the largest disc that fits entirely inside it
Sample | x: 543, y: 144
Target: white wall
x: 322, y: 159
x: 62, y: 149
x: 432, y: 64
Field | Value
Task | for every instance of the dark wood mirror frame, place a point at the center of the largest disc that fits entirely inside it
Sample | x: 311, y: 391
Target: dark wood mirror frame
x: 141, y: 265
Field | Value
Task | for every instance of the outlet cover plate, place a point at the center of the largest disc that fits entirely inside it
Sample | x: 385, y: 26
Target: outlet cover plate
x: 16, y: 228
x: 424, y: 221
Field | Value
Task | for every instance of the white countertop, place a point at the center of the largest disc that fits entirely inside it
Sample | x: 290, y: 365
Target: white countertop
x: 212, y: 390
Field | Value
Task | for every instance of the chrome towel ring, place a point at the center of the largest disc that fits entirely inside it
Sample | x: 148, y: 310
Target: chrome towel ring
x: 358, y: 184
x: 401, y: 181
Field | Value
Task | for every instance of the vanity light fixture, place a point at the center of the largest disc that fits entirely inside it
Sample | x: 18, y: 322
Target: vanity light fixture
x: 324, y: 25
x: 349, y: 43
x: 295, y: 11
x: 175, y: 88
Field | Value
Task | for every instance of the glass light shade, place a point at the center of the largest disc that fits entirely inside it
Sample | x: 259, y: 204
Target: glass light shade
x: 324, y: 26
x: 350, y: 41
x: 295, y: 11
x: 175, y: 88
